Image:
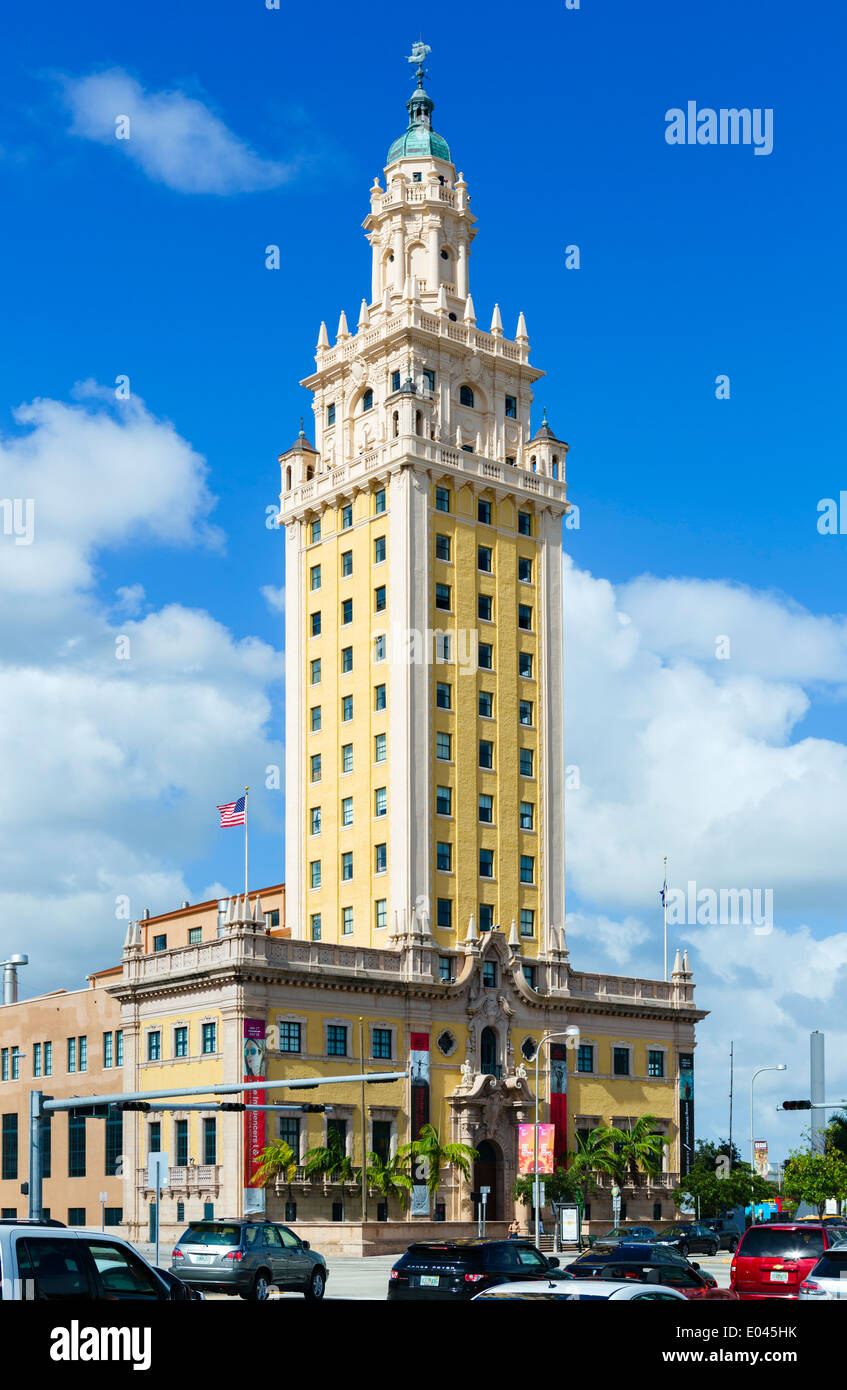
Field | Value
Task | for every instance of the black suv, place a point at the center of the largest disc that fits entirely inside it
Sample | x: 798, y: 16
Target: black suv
x: 689, y: 1235
x: 459, y: 1269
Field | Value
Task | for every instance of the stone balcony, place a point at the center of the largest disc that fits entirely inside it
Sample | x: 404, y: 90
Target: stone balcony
x: 412, y: 315
x: 192, y: 1179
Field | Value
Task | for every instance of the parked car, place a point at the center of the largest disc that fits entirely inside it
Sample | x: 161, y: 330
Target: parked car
x: 618, y: 1233
x: 47, y: 1261
x: 772, y: 1261
x: 581, y: 1291
x: 643, y: 1251
x: 689, y: 1280
x: 688, y: 1236
x: 240, y: 1256
x: 728, y: 1229
x: 827, y: 1278
x: 459, y: 1269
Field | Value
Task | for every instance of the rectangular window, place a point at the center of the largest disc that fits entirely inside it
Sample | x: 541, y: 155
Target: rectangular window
x: 525, y: 712
x: 346, y: 612
x: 524, y: 524
x: 620, y: 1061
x: 442, y: 548
x: 443, y: 801
x: 443, y: 693
x: 347, y: 866
x: 160, y: 943
x: 180, y: 1042
x: 346, y: 660
x: 76, y: 1146
x: 315, y: 820
x: 181, y: 1135
x: 486, y: 753
x: 527, y: 921
x: 154, y: 1046
x: 379, y: 549
x: 315, y: 719
x: 395, y: 381
x: 379, y: 697
x: 380, y: 859
x: 484, y: 608
x: 442, y: 747
x: 210, y: 1142
x: 315, y: 767
x: 655, y: 1063
x: 16, y: 1064
x: 4, y: 1064
x: 347, y: 757
x: 486, y: 809
x: 9, y: 1161
x: 315, y: 671
x: 444, y: 913
x: 379, y: 500
x: 442, y: 646
x: 114, y: 1143
x: 289, y: 1036
x: 486, y: 863
x: 380, y: 601
x: 529, y: 974
x: 346, y: 708
x: 525, y: 616
x: 380, y: 801
x: 36, y: 1056
x: 154, y: 1136
x: 486, y: 704
x: 346, y: 517
x: 347, y: 811
x: 76, y: 1216
x: 346, y: 564
x: 445, y: 968
x: 483, y: 558
x: 511, y: 408
x: 524, y: 570
x: 289, y: 1133
x: 195, y: 936
x: 380, y: 914
x: 315, y: 623
x: 315, y: 531
x: 486, y: 917
x: 485, y: 656
x: 119, y: 1052
x: 527, y: 813
x: 330, y: 414
x: 444, y: 857
x: 315, y: 924
x: 429, y: 379
x: 526, y: 762
x: 442, y: 499
x: 525, y: 665
x: 489, y: 974
x: 379, y: 647
x: 442, y: 596
x: 336, y: 1039
x: 71, y: 1054
x: 379, y: 748
x: 585, y: 1057
x: 315, y: 873
x: 315, y: 577
x: 527, y: 868
x: 381, y: 1044
x: 483, y: 512
x: 210, y: 1038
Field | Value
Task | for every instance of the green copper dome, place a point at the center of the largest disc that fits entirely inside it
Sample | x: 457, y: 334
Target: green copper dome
x: 420, y: 138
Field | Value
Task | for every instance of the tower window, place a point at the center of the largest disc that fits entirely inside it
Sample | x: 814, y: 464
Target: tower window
x: 524, y: 570
x: 316, y: 719
x: 367, y: 400
x: 526, y: 762
x: 442, y: 747
x: 379, y: 697
x: 379, y: 500
x: 315, y: 577
x: 315, y: 771
x: 346, y: 930
x: 316, y: 624
x: 486, y: 704
x: 527, y: 868
x: 347, y: 866
x: 395, y: 382
x: 346, y: 660
x: 429, y: 378
x: 486, y: 809
x: 442, y: 499
x: 525, y: 665
x: 315, y: 873
x: 483, y: 512
x: 442, y: 596
x: 444, y: 857
x: 381, y: 921
x: 346, y: 708
x: 484, y: 607
x: 486, y: 753
x: 444, y: 917
x: 465, y: 396
x: 483, y: 554
x: 380, y: 859
x: 442, y: 548
x: 486, y: 863
x: 315, y: 820
x: 486, y: 656
x: 379, y: 748
x: 316, y: 926
x: 452, y: 317
x: 443, y: 694
x: 417, y: 176
x: 511, y: 408
x: 346, y: 564
x: 525, y: 616
x: 486, y: 917
x: 443, y: 801
x: 380, y: 801
x: 315, y: 671
x: 445, y: 255
x: 489, y: 973
x: 346, y: 517
x: 524, y: 524
x: 330, y: 414
x: 525, y: 712
x: 347, y: 757
x: 379, y: 599
x: 316, y: 531
x: 347, y: 611
x: 527, y: 922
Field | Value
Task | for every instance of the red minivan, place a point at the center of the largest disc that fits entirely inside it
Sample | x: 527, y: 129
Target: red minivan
x: 773, y: 1260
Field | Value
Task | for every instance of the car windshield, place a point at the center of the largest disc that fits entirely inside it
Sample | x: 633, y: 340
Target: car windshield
x: 442, y: 1254
x: 833, y: 1265
x: 786, y: 1245
x: 212, y: 1233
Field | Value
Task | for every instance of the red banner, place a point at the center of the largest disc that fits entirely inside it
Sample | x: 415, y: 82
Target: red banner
x: 559, y: 1102
x: 254, y: 1120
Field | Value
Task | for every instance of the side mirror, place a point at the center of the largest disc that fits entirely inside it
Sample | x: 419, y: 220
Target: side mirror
x: 306, y: 1245
x: 553, y: 1261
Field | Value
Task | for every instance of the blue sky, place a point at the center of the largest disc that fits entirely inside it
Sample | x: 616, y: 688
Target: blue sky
x: 694, y: 262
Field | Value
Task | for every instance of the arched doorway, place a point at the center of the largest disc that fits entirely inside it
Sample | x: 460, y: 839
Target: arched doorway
x: 487, y: 1172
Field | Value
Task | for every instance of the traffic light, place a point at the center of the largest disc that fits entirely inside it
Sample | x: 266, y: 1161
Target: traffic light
x: 796, y: 1105
x: 141, y: 1105
x: 229, y: 1105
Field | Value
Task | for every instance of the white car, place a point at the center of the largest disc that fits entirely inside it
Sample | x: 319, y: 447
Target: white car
x: 46, y: 1260
x: 584, y: 1291
x: 828, y: 1278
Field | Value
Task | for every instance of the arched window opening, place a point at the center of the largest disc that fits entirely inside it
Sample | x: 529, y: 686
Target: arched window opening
x: 465, y: 396
x: 368, y: 400
x: 396, y: 423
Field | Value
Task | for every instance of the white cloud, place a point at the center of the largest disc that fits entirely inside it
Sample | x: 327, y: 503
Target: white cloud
x: 176, y: 139
x: 274, y: 598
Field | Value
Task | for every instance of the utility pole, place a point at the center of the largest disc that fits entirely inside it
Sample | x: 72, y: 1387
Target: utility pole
x: 817, y: 1091
x: 731, y: 1046
x: 364, y: 1127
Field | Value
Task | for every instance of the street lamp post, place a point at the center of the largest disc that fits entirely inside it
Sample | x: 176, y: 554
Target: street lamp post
x: 781, y: 1066
x: 572, y: 1032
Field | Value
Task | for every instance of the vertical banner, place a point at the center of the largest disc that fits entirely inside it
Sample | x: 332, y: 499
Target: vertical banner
x: 760, y: 1157
x: 559, y: 1102
x: 686, y: 1112
x: 254, y: 1120
x: 419, y: 1114
x: 526, y: 1148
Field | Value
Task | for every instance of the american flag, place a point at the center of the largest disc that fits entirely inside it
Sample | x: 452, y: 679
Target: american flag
x: 232, y: 813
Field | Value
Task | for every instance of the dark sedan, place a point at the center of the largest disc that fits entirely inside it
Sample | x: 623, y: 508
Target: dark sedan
x: 456, y: 1270
x: 588, y: 1265
x: 688, y: 1236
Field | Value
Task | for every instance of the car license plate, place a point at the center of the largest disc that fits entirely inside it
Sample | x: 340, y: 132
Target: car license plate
x: 429, y: 1281
x: 203, y: 1259
x: 779, y: 1276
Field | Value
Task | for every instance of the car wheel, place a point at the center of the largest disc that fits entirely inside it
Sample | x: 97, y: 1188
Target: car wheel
x: 733, y: 1245
x: 713, y: 1249
x: 683, y: 1250
x: 316, y: 1286
x: 259, y: 1288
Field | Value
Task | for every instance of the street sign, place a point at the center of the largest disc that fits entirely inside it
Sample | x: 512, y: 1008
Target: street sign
x: 157, y: 1170
x: 485, y: 1191
x: 104, y: 1197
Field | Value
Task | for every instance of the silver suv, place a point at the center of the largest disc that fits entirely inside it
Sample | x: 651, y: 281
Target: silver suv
x: 248, y: 1258
x: 46, y: 1260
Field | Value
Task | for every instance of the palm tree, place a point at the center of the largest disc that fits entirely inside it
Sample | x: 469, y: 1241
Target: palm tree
x: 387, y: 1179
x: 596, y: 1154
x: 329, y: 1160
x: 277, y: 1161
x: 638, y: 1149
x: 431, y: 1156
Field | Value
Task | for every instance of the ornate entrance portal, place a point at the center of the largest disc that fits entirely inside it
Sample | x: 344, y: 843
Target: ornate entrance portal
x: 488, y: 1172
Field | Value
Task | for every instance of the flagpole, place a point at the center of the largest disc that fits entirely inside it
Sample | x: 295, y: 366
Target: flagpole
x: 665, y: 906
x: 246, y: 790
